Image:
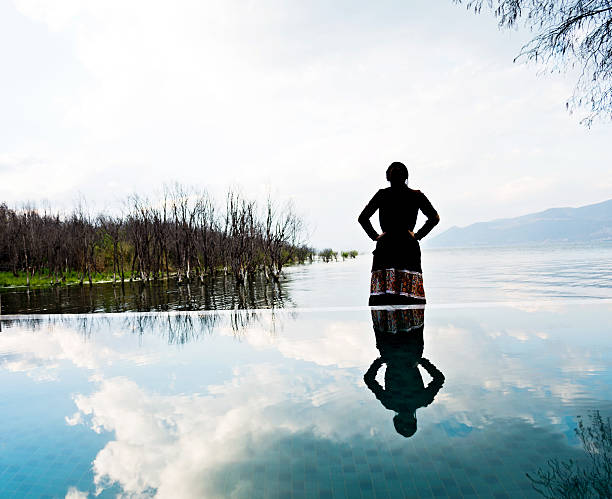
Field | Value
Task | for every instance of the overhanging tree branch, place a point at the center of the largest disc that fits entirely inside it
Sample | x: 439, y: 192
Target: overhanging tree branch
x: 568, y: 34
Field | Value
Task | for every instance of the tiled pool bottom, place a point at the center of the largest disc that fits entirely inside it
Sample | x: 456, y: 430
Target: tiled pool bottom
x: 275, y: 404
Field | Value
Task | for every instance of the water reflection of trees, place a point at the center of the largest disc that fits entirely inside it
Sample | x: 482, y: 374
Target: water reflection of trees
x: 591, y: 477
x: 212, y: 293
x: 176, y: 327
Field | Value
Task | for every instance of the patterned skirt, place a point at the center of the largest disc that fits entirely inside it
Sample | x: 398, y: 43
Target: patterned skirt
x: 397, y: 277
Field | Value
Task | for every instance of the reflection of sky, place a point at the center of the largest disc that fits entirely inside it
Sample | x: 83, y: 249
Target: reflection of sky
x: 229, y: 413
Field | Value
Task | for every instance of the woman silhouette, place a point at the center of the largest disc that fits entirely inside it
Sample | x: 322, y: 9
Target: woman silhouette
x: 397, y: 276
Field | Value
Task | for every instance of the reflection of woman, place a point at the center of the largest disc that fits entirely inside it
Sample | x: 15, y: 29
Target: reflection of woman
x: 396, y: 270
x: 399, y: 338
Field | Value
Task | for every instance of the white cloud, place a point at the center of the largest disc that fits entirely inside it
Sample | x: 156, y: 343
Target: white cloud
x: 74, y: 493
x: 176, y: 444
x: 326, y: 343
x: 41, y: 354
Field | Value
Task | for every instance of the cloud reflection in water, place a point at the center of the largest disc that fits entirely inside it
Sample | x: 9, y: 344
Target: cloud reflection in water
x: 214, y: 409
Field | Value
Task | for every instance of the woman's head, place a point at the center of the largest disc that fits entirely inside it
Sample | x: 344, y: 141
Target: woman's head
x: 405, y: 423
x: 397, y: 173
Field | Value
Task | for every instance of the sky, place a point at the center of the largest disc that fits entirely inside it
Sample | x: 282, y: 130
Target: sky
x: 308, y: 100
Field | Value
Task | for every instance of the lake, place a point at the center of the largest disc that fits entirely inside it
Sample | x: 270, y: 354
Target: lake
x: 301, y: 390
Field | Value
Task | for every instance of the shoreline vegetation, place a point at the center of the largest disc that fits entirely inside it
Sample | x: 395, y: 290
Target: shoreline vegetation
x: 182, y: 235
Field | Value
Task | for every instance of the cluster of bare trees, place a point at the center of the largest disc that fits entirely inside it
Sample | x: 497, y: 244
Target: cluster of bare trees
x: 182, y: 234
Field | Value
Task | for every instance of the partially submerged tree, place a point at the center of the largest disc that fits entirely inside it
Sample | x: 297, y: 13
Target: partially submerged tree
x: 282, y: 229
x: 568, y: 34
x: 349, y: 254
x: 328, y: 254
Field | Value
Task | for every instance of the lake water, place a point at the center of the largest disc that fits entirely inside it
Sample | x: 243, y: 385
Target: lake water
x: 312, y: 394
x: 451, y: 277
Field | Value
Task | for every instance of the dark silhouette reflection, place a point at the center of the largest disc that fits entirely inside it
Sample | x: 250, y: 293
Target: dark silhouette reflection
x: 399, y: 339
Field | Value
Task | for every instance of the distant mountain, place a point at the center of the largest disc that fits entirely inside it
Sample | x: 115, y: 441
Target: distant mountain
x: 584, y: 224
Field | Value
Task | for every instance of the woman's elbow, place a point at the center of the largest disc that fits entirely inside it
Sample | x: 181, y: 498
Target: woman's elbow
x: 435, y: 219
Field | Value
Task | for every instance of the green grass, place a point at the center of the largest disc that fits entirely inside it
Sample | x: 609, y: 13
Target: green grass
x: 42, y: 280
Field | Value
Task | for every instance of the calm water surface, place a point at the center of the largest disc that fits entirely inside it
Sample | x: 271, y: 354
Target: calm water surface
x: 451, y: 276
x: 322, y: 398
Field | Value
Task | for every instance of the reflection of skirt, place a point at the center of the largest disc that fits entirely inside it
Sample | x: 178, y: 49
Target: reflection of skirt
x: 397, y: 278
x: 399, y: 339
x: 398, y: 321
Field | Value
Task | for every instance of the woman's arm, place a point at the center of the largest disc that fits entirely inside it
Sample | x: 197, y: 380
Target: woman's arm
x: 432, y: 389
x: 370, y: 378
x: 366, y: 214
x: 432, y: 218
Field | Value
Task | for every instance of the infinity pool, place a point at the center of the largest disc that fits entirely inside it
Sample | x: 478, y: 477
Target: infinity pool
x: 450, y: 401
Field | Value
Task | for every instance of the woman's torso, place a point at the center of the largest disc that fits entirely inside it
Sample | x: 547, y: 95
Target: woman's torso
x: 399, y: 207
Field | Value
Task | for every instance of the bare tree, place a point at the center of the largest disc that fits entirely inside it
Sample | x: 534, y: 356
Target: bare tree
x: 184, y: 211
x: 112, y: 227
x: 282, y: 231
x: 240, y: 231
x: 205, y: 240
x: 568, y: 34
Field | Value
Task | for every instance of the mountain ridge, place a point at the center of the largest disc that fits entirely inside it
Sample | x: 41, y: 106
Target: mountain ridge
x: 591, y: 222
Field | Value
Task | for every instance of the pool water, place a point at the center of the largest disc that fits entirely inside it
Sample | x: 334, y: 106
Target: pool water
x: 274, y: 403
